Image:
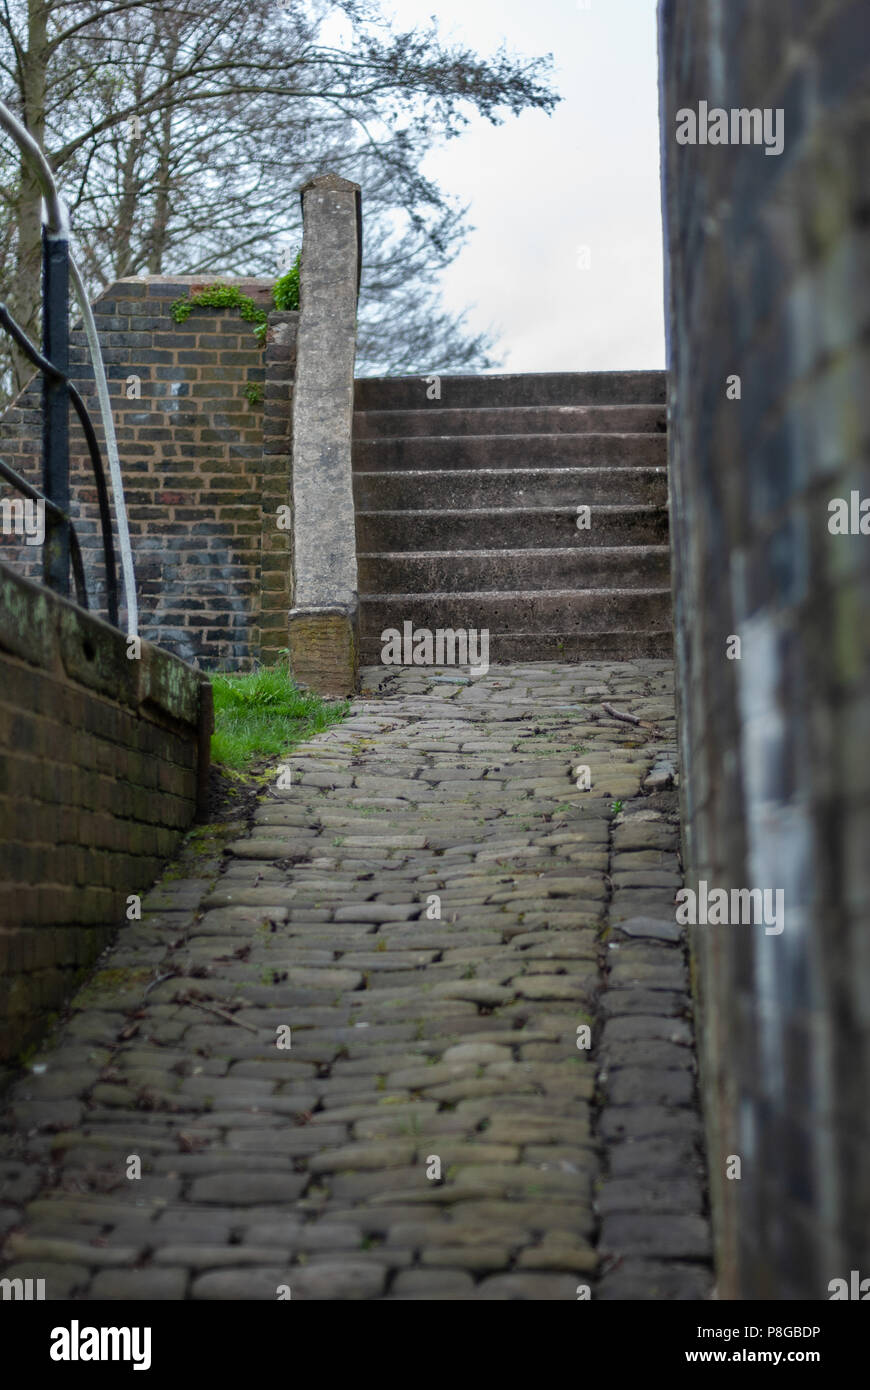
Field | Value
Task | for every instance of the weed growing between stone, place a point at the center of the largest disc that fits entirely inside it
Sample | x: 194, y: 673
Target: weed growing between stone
x: 263, y: 713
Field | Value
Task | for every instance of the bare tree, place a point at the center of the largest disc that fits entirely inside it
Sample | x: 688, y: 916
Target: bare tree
x: 180, y: 133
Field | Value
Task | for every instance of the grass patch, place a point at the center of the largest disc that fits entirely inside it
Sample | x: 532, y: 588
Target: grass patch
x: 262, y: 714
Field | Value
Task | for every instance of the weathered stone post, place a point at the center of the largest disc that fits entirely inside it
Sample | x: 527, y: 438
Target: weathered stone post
x: 323, y: 619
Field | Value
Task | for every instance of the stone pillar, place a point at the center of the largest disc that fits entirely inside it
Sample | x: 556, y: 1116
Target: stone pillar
x: 323, y: 622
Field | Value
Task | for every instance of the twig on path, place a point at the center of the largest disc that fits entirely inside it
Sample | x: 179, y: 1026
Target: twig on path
x: 159, y: 980
x: 214, y: 1009
x: 632, y: 719
x: 222, y: 1013
x: 615, y: 714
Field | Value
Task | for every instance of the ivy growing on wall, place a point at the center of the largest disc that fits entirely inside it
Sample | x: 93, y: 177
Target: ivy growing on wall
x: 285, y: 295
x: 222, y: 297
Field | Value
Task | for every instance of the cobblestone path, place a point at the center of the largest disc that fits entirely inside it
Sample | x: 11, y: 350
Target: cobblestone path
x: 417, y: 1040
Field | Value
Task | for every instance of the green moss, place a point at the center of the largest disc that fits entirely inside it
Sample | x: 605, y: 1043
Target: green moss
x: 285, y: 295
x: 220, y: 296
x: 177, y: 870
x: 109, y: 983
x: 204, y: 840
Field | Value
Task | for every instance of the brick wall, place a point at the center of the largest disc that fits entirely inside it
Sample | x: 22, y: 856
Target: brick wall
x: 102, y: 760
x: 768, y: 279
x: 200, y: 492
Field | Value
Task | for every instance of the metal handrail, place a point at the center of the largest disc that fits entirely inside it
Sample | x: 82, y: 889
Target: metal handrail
x: 58, y: 266
x: 57, y: 218
x: 16, y: 332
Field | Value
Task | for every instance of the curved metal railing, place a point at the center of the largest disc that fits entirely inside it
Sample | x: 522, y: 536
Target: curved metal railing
x: 63, y: 546
x: 17, y: 334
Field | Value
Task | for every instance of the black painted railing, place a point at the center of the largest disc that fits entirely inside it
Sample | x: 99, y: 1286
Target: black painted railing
x: 62, y: 544
x: 61, y: 548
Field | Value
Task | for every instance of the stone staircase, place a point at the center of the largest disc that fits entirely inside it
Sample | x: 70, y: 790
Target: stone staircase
x: 467, y: 509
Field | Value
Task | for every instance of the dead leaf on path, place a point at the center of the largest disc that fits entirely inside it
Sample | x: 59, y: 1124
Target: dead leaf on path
x: 190, y: 1143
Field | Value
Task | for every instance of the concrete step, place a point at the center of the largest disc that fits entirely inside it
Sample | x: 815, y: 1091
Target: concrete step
x: 561, y: 626
x: 478, y: 571
x: 466, y: 512
x: 479, y: 488
x: 507, y: 647
x: 614, y: 450
x: 528, y: 388
x: 551, y: 419
x: 509, y: 528
x: 538, y: 610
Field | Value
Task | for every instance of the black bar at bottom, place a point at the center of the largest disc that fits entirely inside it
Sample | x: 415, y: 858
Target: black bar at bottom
x: 227, y: 1343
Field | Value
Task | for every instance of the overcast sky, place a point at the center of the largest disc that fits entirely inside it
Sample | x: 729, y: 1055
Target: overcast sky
x: 541, y: 187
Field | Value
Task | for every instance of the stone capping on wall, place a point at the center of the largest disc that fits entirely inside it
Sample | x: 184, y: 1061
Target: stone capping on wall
x: 54, y: 634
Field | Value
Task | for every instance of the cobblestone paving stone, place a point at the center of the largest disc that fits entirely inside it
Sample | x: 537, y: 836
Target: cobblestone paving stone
x: 414, y: 1036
